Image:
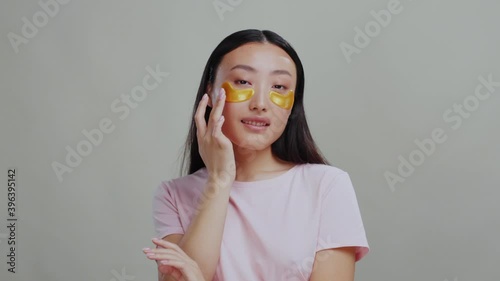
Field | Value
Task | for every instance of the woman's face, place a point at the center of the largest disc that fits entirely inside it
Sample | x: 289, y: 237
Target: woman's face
x: 264, y: 68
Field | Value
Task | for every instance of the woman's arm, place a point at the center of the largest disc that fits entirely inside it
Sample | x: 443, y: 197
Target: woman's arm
x: 336, y: 264
x: 203, y: 238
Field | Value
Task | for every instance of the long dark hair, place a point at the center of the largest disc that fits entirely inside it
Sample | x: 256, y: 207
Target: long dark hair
x: 296, y: 144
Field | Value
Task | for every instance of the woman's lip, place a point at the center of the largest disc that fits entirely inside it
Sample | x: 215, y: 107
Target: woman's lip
x: 255, y: 128
x: 257, y: 120
x: 266, y: 124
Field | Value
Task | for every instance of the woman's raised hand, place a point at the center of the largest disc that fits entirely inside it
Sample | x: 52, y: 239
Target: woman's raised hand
x: 215, y: 148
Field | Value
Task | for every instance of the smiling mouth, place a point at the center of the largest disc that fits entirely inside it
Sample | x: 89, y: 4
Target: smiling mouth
x: 255, y: 123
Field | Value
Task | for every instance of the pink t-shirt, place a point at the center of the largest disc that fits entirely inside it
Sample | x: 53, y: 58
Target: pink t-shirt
x: 273, y: 227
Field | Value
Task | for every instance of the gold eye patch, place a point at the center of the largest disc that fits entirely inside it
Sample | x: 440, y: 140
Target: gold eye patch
x: 284, y: 101
x: 236, y: 95
x: 240, y: 95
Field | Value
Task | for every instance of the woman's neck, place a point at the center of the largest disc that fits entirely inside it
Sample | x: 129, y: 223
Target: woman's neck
x: 253, y: 165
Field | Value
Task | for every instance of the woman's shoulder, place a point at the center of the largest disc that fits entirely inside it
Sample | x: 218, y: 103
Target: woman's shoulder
x: 192, y: 180
x: 321, y: 175
x: 316, y: 178
x: 323, y: 178
x: 323, y: 170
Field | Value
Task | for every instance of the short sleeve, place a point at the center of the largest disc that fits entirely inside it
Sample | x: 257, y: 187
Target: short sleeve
x: 341, y: 224
x: 166, y: 219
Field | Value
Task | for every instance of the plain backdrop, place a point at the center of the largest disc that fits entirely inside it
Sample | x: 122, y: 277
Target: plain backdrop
x: 416, y: 76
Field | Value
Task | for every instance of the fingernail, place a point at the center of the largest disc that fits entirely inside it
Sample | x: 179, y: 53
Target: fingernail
x: 146, y: 249
x: 164, y: 261
x: 205, y: 96
x: 155, y: 239
x: 222, y: 95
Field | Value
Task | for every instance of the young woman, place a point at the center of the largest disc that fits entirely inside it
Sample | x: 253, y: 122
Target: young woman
x: 259, y: 201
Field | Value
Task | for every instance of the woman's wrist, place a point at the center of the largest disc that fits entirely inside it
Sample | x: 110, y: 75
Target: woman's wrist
x: 220, y: 179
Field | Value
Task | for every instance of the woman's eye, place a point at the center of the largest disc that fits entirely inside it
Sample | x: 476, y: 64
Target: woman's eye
x: 241, y: 82
x: 280, y: 87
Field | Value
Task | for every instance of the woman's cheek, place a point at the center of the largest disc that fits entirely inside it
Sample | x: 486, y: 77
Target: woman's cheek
x: 231, y: 119
x: 281, y: 118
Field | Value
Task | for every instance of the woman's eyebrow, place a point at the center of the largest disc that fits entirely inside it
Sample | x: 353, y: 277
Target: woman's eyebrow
x: 251, y: 69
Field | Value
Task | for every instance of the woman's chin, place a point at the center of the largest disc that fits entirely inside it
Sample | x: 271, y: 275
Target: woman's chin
x: 247, y: 145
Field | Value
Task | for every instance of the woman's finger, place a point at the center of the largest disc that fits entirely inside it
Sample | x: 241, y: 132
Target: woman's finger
x: 217, y: 130
x: 165, y: 255
x: 172, y: 260
x: 216, y: 112
x: 169, y: 245
x: 182, y: 267
x: 189, y: 272
x: 171, y: 271
x: 168, y: 259
x: 164, y: 261
x: 199, y: 116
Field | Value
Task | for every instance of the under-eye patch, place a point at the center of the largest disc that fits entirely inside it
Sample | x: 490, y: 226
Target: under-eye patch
x: 236, y: 95
x: 240, y: 95
x: 283, y: 101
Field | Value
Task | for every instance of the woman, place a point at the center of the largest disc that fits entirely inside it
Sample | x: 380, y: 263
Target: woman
x: 259, y: 201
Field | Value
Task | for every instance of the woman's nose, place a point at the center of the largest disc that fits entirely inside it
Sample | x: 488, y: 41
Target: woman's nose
x: 259, y: 100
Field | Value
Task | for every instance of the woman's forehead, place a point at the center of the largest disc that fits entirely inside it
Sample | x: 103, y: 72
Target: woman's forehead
x: 258, y: 57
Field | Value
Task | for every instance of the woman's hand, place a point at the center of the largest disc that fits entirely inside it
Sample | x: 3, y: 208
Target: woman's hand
x: 215, y: 148
x: 172, y: 260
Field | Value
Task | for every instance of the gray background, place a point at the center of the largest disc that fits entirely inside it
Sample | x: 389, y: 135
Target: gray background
x: 441, y: 223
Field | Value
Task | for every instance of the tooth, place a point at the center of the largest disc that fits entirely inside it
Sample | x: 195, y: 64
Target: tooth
x: 256, y: 123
